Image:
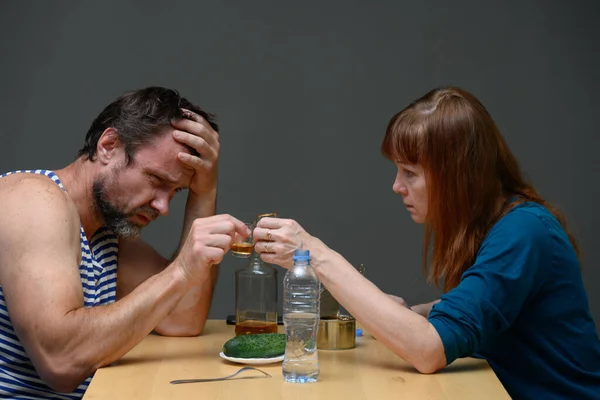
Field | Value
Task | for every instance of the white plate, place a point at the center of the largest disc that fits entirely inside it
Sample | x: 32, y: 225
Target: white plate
x: 254, y: 361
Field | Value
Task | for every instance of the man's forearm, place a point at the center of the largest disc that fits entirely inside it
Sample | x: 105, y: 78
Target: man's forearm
x: 197, y: 206
x: 88, y: 338
x: 189, y: 316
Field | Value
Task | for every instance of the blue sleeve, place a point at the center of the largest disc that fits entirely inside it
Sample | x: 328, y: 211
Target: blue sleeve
x: 494, y: 289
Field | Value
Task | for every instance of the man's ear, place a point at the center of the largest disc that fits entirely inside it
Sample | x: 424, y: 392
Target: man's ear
x: 108, y: 145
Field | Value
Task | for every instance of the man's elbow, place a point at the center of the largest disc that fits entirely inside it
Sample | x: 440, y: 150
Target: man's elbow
x: 179, y: 330
x: 62, y: 384
x: 63, y: 377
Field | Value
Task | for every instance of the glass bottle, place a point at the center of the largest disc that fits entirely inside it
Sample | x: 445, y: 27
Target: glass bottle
x: 256, y: 298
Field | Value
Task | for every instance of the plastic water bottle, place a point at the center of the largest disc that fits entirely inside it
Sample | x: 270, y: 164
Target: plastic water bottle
x: 301, y: 319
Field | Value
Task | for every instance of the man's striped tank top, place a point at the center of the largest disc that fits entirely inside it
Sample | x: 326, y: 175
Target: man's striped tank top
x: 98, y: 272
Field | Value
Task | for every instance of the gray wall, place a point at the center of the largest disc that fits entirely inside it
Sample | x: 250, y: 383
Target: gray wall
x: 304, y: 91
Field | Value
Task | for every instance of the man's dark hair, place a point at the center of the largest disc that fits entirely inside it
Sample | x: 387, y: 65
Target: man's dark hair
x: 138, y: 116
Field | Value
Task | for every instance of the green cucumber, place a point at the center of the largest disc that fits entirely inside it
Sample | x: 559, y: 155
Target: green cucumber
x: 256, y: 345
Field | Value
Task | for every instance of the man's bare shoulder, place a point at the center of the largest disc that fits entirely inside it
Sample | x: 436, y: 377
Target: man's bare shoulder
x: 25, y: 181
x: 24, y: 195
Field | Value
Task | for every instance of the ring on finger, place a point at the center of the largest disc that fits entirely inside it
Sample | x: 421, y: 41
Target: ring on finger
x: 268, y: 235
x: 266, y: 247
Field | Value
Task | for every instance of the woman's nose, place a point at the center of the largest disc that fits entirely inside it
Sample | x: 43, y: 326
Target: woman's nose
x: 399, y: 187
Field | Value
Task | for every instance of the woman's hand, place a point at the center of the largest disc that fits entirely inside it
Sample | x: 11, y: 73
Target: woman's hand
x: 276, y: 239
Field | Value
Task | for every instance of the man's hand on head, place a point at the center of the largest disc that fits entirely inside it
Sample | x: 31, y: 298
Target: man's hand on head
x: 195, y: 132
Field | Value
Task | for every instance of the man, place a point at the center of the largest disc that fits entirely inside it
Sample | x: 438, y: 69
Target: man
x: 79, y: 288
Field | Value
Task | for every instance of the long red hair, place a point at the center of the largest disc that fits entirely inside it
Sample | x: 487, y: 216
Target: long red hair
x: 469, y: 171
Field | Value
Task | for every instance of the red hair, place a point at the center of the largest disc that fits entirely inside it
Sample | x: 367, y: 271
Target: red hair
x: 469, y: 171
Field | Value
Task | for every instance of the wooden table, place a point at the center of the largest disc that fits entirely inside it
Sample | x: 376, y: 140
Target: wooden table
x: 370, y: 371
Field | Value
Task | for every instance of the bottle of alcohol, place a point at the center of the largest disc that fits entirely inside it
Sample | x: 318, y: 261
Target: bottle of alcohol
x: 256, y: 298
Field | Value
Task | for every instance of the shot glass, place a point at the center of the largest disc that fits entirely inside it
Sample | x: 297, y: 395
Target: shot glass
x: 243, y: 248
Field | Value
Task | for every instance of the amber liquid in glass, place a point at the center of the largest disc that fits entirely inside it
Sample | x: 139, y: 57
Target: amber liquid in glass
x: 250, y: 326
x: 242, y: 249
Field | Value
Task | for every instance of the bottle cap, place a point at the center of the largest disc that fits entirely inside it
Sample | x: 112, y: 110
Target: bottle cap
x: 301, y: 255
x: 259, y: 216
x: 359, y: 332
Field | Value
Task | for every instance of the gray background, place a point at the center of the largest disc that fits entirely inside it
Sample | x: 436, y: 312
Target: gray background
x: 303, y: 91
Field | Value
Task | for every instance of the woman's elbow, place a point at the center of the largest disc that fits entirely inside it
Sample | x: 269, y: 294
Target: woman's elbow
x: 429, y: 366
x: 430, y: 358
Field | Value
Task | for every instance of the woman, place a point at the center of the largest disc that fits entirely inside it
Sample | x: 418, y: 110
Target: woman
x: 513, y: 291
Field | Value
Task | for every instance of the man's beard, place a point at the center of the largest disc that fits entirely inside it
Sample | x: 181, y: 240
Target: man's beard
x: 112, y: 216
